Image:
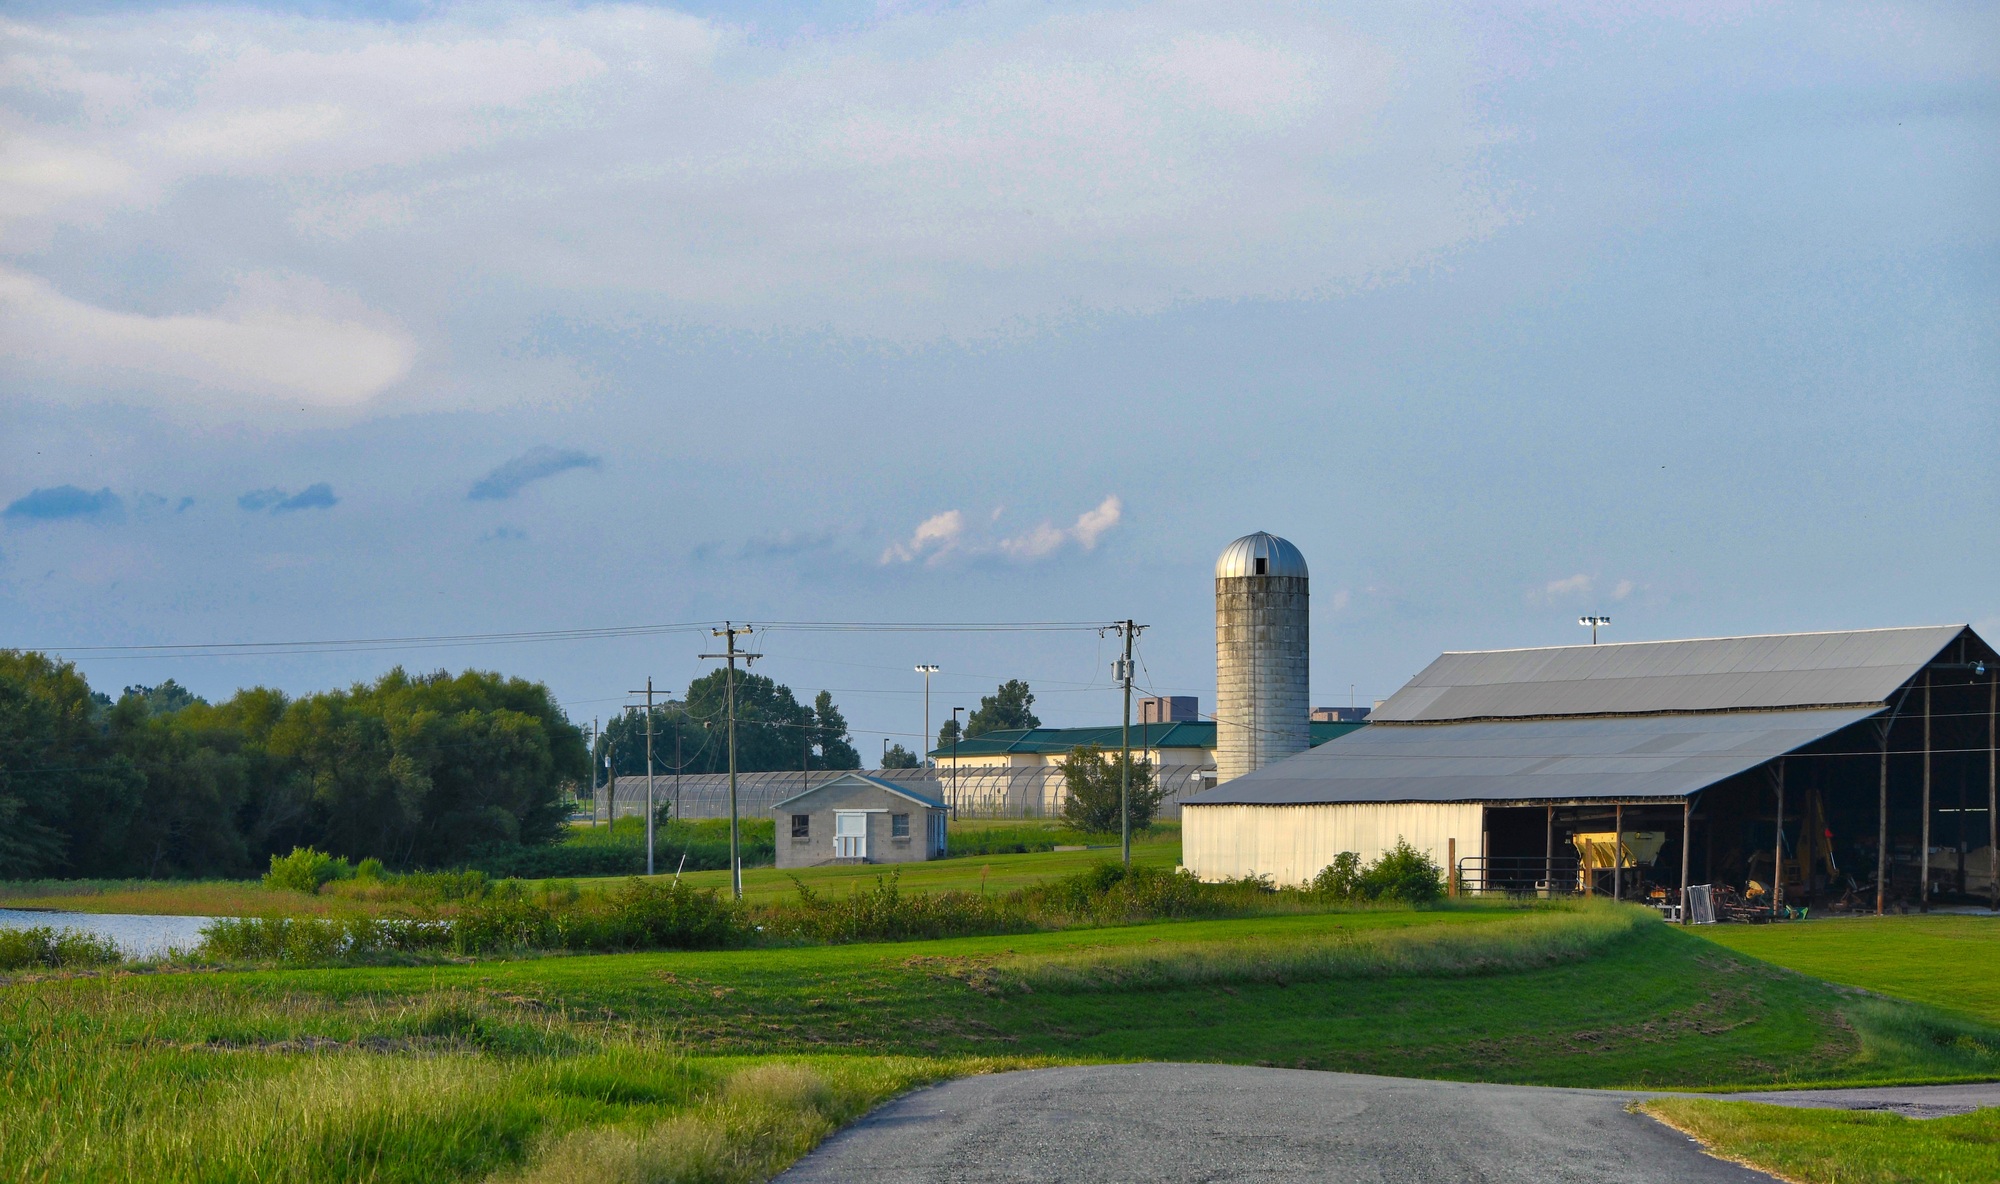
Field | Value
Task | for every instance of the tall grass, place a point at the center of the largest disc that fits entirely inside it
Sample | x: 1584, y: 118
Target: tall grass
x: 56, y: 949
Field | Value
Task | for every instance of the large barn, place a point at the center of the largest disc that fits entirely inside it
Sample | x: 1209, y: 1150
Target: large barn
x: 1719, y: 759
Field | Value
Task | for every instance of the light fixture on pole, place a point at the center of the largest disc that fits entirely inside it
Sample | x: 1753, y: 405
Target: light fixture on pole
x: 1593, y: 622
x: 927, y: 669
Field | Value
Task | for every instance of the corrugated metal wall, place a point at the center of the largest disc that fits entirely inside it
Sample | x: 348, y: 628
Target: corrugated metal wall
x: 1290, y: 844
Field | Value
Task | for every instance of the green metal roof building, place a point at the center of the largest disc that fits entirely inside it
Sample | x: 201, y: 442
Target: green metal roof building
x: 1050, y: 744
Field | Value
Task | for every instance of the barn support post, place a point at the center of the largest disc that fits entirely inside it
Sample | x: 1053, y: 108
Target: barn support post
x: 1882, y: 823
x: 1687, y: 833
x: 1451, y: 865
x: 1778, y: 843
x: 1618, y: 851
x: 1924, y: 844
x: 1549, y: 859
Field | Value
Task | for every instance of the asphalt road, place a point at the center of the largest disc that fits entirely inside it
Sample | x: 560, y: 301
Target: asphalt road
x: 1911, y: 1101
x: 1188, y: 1123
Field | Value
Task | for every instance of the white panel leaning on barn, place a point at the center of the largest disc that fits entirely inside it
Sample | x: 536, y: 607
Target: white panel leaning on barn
x: 1290, y: 844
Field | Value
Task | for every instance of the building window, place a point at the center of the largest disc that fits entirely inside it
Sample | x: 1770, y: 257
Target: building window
x: 899, y: 826
x: 802, y: 826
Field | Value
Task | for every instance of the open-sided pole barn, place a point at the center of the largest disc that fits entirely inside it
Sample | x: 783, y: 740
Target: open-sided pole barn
x: 1847, y: 770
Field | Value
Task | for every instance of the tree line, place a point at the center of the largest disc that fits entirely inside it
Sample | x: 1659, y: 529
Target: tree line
x: 416, y: 770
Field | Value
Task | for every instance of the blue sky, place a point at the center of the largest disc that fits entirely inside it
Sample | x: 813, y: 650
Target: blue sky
x: 337, y: 321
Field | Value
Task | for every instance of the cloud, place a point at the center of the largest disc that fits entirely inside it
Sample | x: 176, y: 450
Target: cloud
x: 944, y: 534
x: 934, y: 536
x: 1047, y: 539
x: 531, y: 466
x: 318, y: 496
x: 64, y: 501
x: 277, y: 340
x: 935, y: 169
x: 1623, y: 589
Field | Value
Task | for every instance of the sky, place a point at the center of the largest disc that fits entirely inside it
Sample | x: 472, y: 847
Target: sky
x: 327, y: 322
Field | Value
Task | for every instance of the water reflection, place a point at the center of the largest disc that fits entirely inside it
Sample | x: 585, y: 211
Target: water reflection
x: 138, y: 935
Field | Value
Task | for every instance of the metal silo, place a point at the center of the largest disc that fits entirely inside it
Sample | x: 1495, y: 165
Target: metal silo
x: 1261, y: 692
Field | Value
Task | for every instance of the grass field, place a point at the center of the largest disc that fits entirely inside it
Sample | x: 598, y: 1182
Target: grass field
x: 594, y: 1067
x: 1951, y: 962
x: 1159, y: 847
x: 1841, y: 1146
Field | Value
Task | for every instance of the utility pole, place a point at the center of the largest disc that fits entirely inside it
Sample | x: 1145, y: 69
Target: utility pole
x: 956, y: 731
x: 729, y: 633
x: 648, y: 692
x: 927, y: 669
x: 678, y: 765
x: 1123, y: 668
x: 593, y: 774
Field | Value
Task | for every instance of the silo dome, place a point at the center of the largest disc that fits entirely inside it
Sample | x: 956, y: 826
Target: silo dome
x: 1261, y: 654
x: 1260, y: 554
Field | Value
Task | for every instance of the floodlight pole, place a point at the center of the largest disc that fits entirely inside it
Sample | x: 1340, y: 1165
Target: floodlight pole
x: 926, y: 669
x: 729, y: 633
x: 1593, y: 622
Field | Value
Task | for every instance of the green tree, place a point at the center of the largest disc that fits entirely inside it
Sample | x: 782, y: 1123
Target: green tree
x: 774, y: 731
x: 898, y: 757
x: 166, y: 698
x: 67, y: 797
x: 1093, y: 778
x: 836, y: 748
x: 1007, y: 707
x: 196, y: 781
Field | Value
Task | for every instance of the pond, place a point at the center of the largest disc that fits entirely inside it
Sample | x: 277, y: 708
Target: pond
x: 137, y: 935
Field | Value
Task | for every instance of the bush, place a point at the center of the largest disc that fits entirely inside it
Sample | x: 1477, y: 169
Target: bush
x: 642, y: 917
x: 1340, y: 879
x: 1402, y: 873
x: 305, y: 870
x: 55, y: 949
x: 620, y: 849
x: 1093, y: 781
x: 884, y: 913
x: 1108, y: 893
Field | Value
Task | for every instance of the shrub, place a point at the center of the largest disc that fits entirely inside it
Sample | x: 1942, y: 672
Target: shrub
x: 1340, y: 879
x: 305, y: 870
x: 42, y: 946
x: 884, y: 913
x: 1402, y: 873
x: 1093, y: 781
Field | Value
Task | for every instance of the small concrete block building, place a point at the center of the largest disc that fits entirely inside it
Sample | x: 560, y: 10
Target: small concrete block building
x: 855, y: 818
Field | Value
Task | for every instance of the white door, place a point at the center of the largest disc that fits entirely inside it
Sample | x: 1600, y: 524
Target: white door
x: 850, y: 834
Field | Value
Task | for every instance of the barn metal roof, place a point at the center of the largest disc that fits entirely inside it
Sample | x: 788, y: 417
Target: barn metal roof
x: 1710, y: 674
x: 1602, y: 757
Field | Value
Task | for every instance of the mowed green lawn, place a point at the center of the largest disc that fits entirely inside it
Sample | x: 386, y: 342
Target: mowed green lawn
x: 249, y: 898
x: 1947, y: 961
x: 1842, y: 1146
x: 970, y: 873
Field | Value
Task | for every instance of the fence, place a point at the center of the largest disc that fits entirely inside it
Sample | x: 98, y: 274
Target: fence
x: 1030, y: 792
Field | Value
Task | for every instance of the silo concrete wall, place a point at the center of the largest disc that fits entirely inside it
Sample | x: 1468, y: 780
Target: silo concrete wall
x: 1261, y: 672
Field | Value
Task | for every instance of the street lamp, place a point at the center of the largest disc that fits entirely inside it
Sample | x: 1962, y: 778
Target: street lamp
x: 1593, y: 622
x: 927, y: 669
